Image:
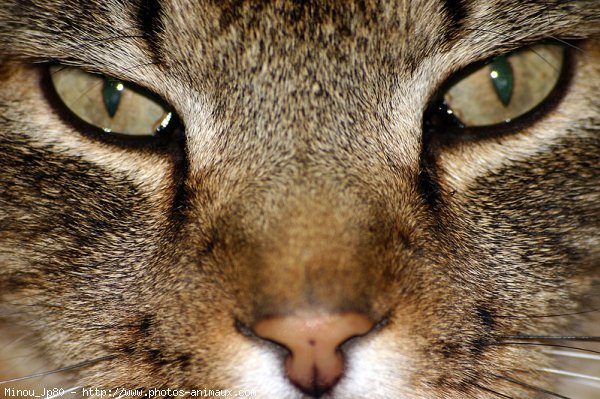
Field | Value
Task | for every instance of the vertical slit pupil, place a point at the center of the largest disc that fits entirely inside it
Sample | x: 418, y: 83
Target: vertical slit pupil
x: 502, y: 79
x: 111, y: 93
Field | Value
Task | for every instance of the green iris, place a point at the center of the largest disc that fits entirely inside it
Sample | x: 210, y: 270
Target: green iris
x: 111, y: 92
x: 502, y: 78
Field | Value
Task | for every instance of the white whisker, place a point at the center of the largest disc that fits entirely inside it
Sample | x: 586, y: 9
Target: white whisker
x: 577, y: 355
x: 61, y: 393
x: 573, y: 375
x: 59, y: 370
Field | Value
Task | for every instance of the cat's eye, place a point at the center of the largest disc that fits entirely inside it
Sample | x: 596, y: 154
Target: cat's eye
x: 507, y: 87
x: 109, y: 104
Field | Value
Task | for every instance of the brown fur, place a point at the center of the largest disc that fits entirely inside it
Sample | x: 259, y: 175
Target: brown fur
x: 306, y: 181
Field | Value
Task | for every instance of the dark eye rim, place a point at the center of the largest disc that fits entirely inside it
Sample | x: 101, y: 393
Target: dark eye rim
x: 443, y: 130
x: 162, y: 141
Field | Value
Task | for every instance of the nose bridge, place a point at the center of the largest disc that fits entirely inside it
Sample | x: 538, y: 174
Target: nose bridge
x: 302, y: 175
x: 305, y: 196
x: 318, y: 220
x: 311, y: 254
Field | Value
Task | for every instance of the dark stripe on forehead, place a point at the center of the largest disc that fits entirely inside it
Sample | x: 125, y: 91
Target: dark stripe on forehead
x: 151, y: 26
x: 457, y: 13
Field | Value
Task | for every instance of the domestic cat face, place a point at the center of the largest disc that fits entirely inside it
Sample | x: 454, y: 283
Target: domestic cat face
x: 320, y: 212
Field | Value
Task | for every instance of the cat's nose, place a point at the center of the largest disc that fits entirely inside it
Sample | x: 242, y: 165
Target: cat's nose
x: 315, y: 362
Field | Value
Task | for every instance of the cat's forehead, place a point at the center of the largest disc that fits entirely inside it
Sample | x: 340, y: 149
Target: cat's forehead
x: 236, y: 34
x: 288, y: 46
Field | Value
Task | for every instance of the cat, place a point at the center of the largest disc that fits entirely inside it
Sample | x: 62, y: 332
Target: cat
x: 300, y: 199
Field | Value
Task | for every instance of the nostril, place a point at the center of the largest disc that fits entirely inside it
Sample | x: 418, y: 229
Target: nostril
x: 315, y: 362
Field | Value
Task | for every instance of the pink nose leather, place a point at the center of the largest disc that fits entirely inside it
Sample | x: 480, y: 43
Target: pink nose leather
x: 315, y: 362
